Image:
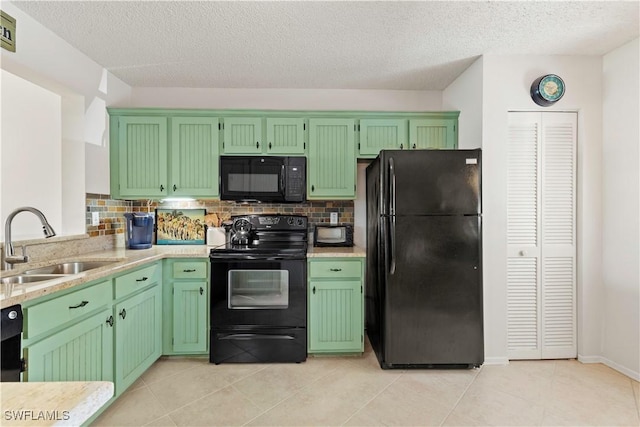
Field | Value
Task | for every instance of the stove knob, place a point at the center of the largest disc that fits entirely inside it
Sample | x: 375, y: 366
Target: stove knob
x: 300, y: 222
x: 290, y: 220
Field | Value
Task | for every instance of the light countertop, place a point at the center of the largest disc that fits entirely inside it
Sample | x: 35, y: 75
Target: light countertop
x: 52, y: 403
x: 123, y: 259
x: 321, y: 252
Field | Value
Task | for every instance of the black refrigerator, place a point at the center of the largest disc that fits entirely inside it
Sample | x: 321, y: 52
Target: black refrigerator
x: 424, y: 258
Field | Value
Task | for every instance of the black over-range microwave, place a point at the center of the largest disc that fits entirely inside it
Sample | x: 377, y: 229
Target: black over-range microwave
x: 263, y: 179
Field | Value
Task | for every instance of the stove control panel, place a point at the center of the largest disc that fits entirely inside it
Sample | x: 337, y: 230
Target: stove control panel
x: 276, y: 222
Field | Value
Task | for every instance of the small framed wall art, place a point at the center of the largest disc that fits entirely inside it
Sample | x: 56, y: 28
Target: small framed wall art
x: 180, y: 227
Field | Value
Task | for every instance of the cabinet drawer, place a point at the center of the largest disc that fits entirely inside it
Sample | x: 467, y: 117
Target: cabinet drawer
x: 328, y: 269
x: 135, y: 280
x: 190, y: 270
x: 53, y: 313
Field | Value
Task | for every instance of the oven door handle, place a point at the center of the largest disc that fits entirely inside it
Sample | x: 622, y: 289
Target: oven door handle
x: 236, y: 258
x: 245, y: 337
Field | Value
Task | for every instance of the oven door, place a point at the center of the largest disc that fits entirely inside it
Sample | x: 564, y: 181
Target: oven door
x: 258, y: 292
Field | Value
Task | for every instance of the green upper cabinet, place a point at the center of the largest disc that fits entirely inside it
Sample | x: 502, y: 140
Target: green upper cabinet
x: 242, y: 135
x: 159, y: 156
x: 285, y: 136
x: 142, y: 157
x: 194, y: 156
x: 433, y: 133
x: 331, y: 166
x: 379, y: 134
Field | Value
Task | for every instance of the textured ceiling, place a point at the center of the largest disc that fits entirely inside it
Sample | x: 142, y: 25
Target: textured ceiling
x: 333, y: 45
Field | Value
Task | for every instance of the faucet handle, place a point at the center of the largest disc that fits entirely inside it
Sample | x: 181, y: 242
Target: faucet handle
x: 17, y: 259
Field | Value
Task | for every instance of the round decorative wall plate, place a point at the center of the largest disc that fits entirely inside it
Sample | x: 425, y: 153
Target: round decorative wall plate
x: 547, y: 90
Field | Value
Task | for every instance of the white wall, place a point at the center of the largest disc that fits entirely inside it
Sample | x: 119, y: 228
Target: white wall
x: 85, y: 88
x: 31, y: 155
x: 464, y: 94
x: 506, y: 84
x: 287, y: 99
x: 621, y: 207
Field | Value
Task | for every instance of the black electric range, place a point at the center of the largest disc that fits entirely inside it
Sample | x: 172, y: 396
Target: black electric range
x: 259, y: 291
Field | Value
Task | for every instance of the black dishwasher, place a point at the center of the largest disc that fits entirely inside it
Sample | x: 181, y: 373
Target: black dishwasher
x: 10, y: 347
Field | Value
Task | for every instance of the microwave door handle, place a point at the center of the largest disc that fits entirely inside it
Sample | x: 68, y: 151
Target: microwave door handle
x: 282, y: 170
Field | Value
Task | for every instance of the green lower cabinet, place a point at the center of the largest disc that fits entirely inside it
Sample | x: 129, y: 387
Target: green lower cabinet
x: 335, y: 305
x: 138, y: 335
x: 190, y: 301
x: 82, y: 352
x: 335, y: 316
x: 185, y: 302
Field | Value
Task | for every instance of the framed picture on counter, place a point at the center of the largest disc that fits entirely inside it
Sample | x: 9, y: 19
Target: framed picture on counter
x: 180, y: 227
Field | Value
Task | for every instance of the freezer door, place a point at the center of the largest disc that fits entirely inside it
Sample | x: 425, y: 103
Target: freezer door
x: 433, y: 297
x: 430, y: 182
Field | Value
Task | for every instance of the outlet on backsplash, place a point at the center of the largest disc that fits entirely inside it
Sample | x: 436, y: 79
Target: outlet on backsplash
x: 334, y: 218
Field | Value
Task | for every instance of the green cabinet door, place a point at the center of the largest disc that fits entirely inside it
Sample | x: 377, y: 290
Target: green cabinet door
x: 331, y: 165
x: 82, y: 352
x: 142, y: 157
x: 285, y: 136
x: 190, y: 300
x: 433, y: 133
x: 242, y: 135
x: 138, y: 335
x: 379, y: 134
x: 194, y: 156
x: 335, y: 316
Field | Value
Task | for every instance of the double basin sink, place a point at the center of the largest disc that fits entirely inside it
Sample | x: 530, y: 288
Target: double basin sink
x: 53, y: 272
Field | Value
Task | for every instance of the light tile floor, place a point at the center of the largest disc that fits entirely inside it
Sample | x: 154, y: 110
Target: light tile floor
x: 354, y: 391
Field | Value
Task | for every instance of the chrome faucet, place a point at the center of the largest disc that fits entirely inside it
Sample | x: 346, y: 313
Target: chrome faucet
x: 10, y: 257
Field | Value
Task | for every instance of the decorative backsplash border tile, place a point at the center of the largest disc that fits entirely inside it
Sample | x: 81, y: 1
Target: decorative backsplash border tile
x: 112, y: 220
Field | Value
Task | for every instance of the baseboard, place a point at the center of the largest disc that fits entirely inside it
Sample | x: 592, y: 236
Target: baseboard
x: 589, y: 359
x: 635, y: 375
x: 496, y: 361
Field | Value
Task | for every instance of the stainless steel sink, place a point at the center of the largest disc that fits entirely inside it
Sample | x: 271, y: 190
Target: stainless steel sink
x: 68, y: 267
x: 22, y: 278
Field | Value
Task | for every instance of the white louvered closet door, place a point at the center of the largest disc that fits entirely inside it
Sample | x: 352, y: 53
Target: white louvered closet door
x: 541, y: 235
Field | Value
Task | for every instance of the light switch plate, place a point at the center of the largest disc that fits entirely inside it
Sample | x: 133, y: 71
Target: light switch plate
x: 95, y: 218
x: 334, y: 217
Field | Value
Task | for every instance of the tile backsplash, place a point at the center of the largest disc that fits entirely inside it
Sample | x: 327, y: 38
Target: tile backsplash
x: 112, y: 220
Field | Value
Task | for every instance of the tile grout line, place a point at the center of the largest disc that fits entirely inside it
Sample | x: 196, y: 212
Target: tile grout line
x: 455, y: 405
x: 636, y: 398
x: 544, y: 402
x: 229, y: 384
x: 374, y: 397
x: 284, y: 399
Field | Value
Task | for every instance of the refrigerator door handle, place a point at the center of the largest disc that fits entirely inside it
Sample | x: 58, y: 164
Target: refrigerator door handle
x: 392, y: 213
